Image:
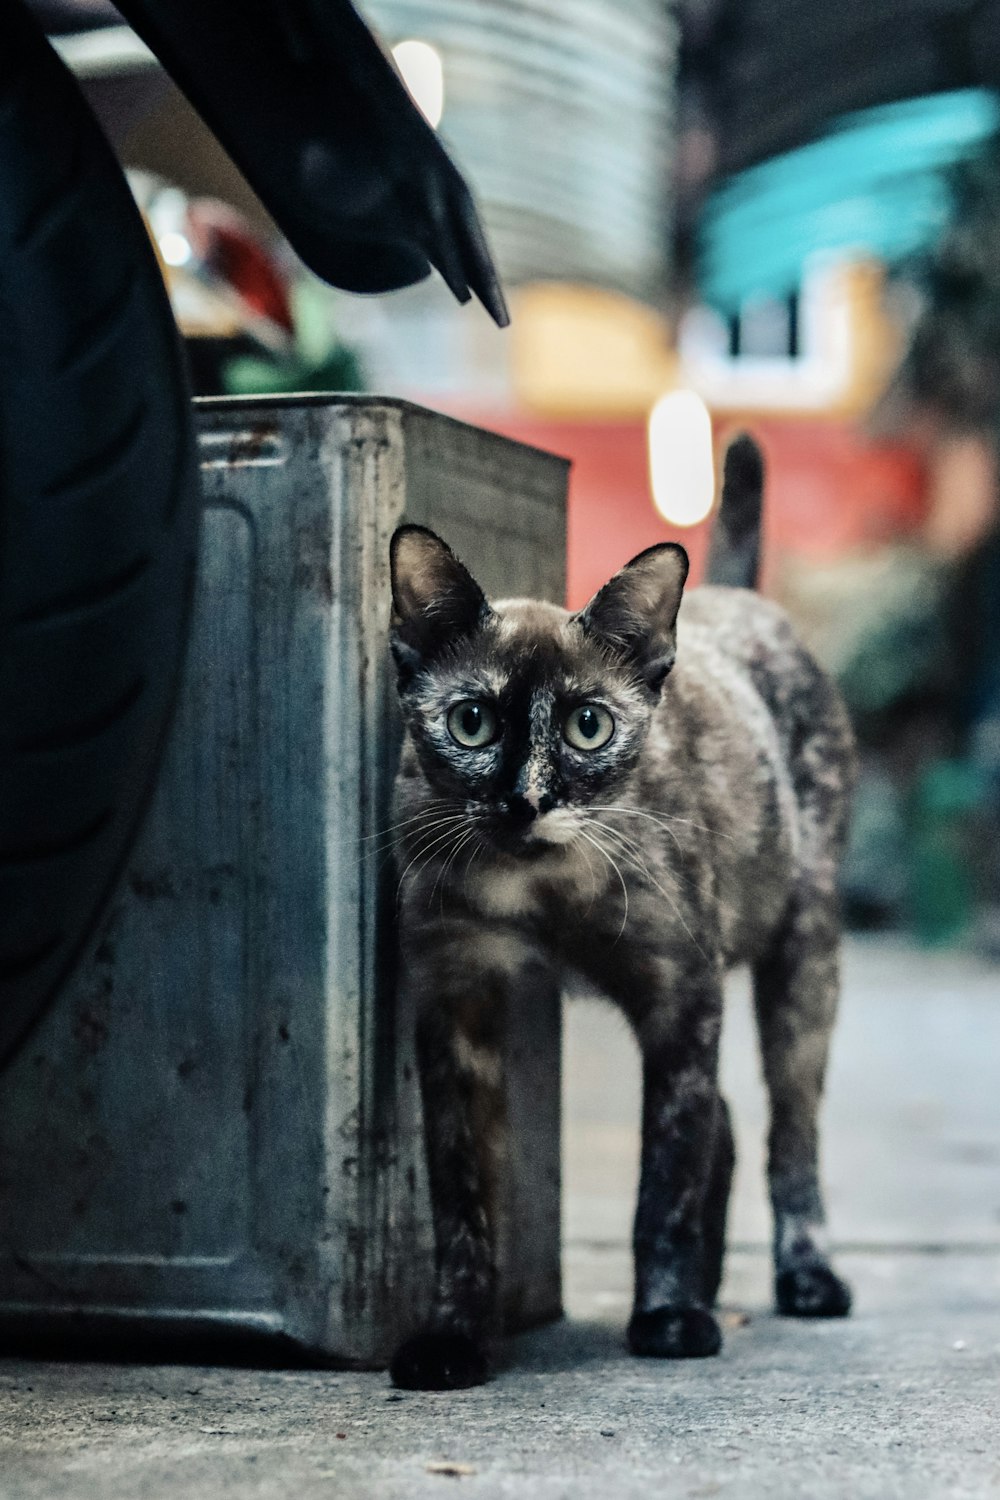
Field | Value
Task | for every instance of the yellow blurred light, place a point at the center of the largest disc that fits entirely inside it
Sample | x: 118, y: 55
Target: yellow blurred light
x: 583, y: 352
x: 423, y: 74
x: 681, y: 463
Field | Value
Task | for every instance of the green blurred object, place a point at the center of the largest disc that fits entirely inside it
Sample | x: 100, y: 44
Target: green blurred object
x: 874, y: 876
x: 875, y: 621
x: 246, y: 376
x: 947, y: 806
x: 317, y: 361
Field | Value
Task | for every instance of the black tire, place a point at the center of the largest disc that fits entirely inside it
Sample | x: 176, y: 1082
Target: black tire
x: 99, y: 506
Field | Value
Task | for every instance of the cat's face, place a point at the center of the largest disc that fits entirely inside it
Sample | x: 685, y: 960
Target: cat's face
x: 522, y: 715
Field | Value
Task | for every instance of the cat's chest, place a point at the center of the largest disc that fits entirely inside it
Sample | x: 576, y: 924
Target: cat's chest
x: 506, y: 895
x: 542, y: 893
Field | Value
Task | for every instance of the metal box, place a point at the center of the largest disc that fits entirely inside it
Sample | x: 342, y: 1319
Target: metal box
x: 213, y: 1138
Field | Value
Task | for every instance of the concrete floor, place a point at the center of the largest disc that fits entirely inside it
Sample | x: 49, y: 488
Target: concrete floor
x: 902, y: 1399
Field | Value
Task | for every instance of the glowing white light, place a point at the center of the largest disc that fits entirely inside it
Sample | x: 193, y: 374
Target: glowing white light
x: 175, y: 249
x: 423, y: 74
x: 681, y: 466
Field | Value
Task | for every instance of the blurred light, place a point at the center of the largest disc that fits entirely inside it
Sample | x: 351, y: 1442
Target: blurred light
x: 423, y: 74
x: 581, y: 350
x: 174, y: 248
x: 681, y: 467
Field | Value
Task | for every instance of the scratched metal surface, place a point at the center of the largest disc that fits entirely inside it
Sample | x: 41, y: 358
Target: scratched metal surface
x: 212, y: 1142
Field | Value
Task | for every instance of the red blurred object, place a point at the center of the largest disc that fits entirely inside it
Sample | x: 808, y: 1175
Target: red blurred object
x: 830, y: 492
x: 229, y: 250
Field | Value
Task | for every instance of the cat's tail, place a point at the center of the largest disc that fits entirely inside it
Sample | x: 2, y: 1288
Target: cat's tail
x: 734, y: 555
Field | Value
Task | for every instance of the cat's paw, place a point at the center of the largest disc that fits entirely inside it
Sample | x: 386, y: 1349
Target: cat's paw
x: 437, y: 1360
x: 811, y: 1292
x: 674, y: 1333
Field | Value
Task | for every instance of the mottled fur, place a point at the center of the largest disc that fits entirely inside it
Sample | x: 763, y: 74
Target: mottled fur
x: 705, y: 833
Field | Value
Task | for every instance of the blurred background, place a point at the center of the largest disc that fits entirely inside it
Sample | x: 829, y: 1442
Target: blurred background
x: 708, y: 214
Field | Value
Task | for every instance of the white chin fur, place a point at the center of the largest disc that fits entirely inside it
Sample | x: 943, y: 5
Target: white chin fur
x: 558, y: 827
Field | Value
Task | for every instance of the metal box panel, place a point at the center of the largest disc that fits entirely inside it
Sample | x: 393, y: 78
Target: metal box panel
x: 216, y: 1130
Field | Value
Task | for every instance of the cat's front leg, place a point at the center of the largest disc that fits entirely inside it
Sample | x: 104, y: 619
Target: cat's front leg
x: 460, y: 1062
x: 460, y: 977
x: 684, y: 1136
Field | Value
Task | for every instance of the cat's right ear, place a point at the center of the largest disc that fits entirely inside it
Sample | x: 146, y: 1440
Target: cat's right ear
x: 435, y: 599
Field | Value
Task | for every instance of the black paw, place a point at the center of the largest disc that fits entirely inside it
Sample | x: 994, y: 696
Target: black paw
x: 812, y: 1292
x: 438, y: 1361
x: 674, y: 1333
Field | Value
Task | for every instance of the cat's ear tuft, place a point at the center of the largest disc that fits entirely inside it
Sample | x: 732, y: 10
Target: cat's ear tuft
x: 636, y: 611
x: 435, y: 599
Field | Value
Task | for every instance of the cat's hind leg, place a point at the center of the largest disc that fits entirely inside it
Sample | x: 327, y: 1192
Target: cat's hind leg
x: 796, y: 987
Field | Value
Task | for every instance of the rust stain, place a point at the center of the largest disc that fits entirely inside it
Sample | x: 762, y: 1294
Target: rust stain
x: 312, y: 570
x: 253, y: 444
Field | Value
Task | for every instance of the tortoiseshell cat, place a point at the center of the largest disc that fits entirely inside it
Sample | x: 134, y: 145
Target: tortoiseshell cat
x: 645, y: 822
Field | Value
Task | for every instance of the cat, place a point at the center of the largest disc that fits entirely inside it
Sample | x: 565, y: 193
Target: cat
x: 645, y: 793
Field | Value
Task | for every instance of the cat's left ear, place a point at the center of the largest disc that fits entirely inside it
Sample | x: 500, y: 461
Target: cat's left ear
x: 636, y: 611
x: 435, y: 599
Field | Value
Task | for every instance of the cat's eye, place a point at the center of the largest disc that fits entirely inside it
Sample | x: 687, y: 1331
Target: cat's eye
x: 472, y: 724
x: 588, y: 727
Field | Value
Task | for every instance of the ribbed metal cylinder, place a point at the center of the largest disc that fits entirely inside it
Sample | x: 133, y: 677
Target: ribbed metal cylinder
x: 561, y: 115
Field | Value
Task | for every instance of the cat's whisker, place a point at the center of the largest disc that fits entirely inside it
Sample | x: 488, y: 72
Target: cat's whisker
x: 642, y: 869
x: 425, y: 853
x: 387, y: 855
x: 438, y: 840
x: 576, y: 843
x: 394, y: 852
x: 664, y: 819
x: 680, y: 875
x: 601, y: 850
x: 446, y: 809
x: 440, y: 851
x: 666, y: 828
x: 627, y: 846
x: 477, y: 849
x: 472, y: 837
x: 638, y: 853
x: 617, y: 834
x: 393, y: 840
x: 442, y: 875
x: 627, y: 849
x: 704, y: 828
x: 436, y: 807
x: 685, y: 878
x: 439, y: 809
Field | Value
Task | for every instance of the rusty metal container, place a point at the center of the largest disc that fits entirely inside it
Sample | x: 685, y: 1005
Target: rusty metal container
x: 213, y: 1140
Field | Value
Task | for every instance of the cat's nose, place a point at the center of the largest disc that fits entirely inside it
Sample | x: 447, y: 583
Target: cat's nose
x: 520, y: 811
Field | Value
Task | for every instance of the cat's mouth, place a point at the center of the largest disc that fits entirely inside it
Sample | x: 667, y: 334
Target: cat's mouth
x: 527, y: 850
x: 545, y: 834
